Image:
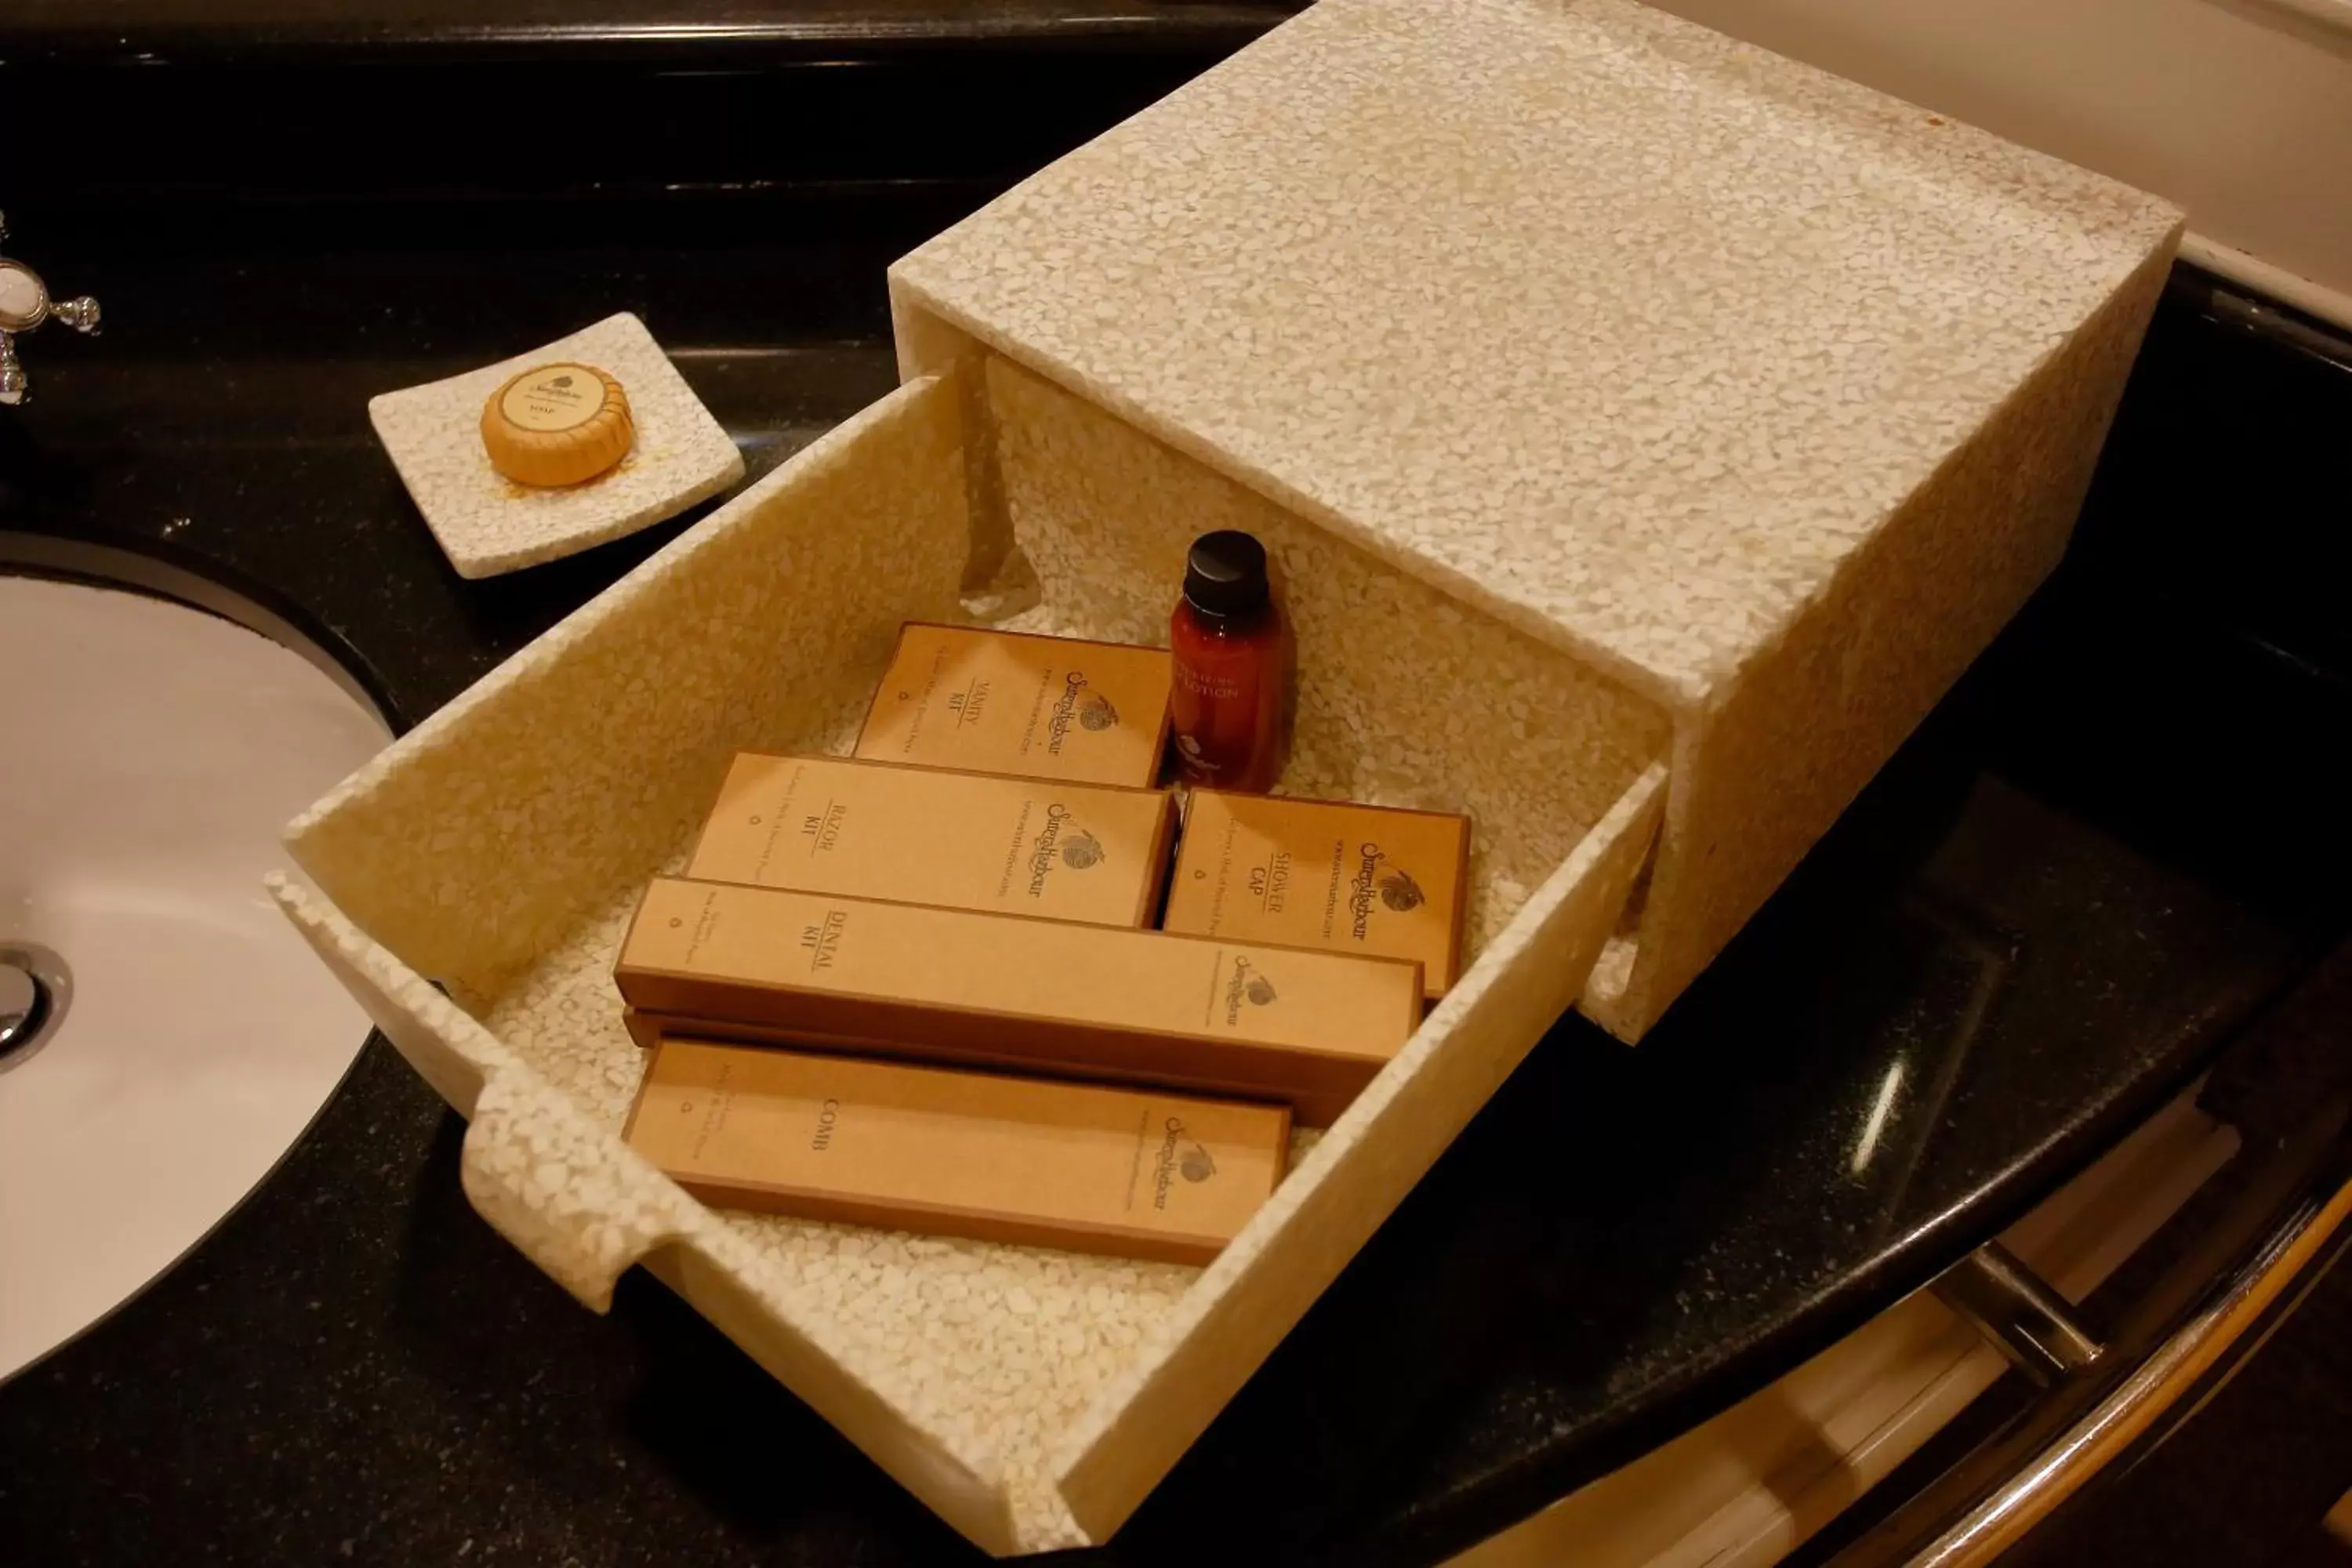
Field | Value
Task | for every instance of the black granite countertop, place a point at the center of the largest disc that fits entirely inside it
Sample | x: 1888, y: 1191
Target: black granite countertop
x: 2109, y: 845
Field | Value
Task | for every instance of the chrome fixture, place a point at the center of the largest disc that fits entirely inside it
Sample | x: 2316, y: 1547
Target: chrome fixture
x: 35, y: 989
x: 25, y: 304
x: 2019, y: 1313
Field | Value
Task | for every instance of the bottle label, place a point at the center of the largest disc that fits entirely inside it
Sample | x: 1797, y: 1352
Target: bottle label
x: 1216, y: 686
x: 554, y: 397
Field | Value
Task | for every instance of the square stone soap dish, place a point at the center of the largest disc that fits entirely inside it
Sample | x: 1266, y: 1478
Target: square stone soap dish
x: 1649, y: 430
x: 488, y: 523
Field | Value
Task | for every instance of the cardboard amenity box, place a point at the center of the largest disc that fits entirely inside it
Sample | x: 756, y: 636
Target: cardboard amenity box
x: 1648, y: 428
x: 1202, y: 1015
x: 1057, y: 850
x: 1041, y: 707
x: 1334, y: 875
x: 1079, y: 1166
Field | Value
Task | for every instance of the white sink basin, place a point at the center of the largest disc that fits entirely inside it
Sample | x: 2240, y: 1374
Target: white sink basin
x: 149, y: 755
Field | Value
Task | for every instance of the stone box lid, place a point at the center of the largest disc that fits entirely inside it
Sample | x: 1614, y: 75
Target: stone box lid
x: 1626, y: 331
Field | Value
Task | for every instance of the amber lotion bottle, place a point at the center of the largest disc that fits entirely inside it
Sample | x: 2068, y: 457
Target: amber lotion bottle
x: 1229, y: 704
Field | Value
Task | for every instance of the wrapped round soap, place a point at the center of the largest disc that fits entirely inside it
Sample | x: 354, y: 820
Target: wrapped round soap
x: 559, y: 423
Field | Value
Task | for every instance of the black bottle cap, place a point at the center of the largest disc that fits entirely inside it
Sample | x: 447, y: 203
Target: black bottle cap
x: 1224, y: 575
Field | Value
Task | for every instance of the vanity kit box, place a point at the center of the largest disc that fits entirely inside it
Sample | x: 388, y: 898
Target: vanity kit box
x: 1058, y: 850
x: 1077, y: 1165
x: 1046, y: 708
x: 1200, y: 1015
x: 1649, y: 430
x: 1334, y: 875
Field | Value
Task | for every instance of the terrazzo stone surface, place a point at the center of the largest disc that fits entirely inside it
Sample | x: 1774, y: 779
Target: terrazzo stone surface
x: 1030, y: 1396
x: 1766, y: 396
x: 1410, y: 698
x: 1629, y: 331
x: 595, y: 750
x: 488, y: 523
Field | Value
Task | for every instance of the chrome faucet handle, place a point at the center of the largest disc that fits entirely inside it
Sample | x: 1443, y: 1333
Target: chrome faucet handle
x: 81, y: 313
x: 25, y: 304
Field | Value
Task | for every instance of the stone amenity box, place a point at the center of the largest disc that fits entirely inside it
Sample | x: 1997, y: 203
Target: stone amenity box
x: 1649, y: 430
